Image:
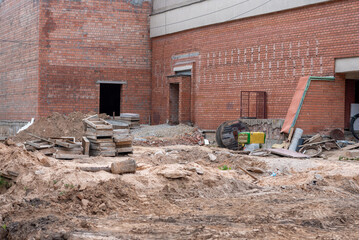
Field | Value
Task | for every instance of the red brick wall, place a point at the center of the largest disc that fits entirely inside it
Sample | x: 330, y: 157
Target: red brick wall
x: 323, y: 107
x: 264, y: 53
x: 82, y: 42
x: 18, y: 59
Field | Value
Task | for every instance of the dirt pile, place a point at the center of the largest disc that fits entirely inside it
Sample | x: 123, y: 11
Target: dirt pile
x: 178, y: 192
x: 55, y: 125
x: 166, y: 135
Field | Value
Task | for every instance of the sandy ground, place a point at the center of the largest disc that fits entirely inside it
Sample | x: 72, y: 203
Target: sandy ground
x: 178, y: 192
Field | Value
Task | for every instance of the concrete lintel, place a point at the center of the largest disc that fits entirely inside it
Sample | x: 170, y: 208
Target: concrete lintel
x: 182, y: 68
x: 346, y: 65
x: 111, y: 82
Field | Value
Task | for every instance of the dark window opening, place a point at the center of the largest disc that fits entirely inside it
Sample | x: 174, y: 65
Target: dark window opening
x: 110, y: 99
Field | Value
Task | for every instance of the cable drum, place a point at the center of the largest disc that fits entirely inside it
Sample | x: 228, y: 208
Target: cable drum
x: 227, y: 134
x: 354, y: 126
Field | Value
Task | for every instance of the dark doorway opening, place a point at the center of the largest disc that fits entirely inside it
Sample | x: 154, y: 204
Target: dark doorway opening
x: 110, y: 98
x: 174, y: 103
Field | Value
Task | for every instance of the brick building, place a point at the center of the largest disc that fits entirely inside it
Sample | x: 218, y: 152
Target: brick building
x: 74, y: 55
x: 190, y: 61
x: 233, y: 46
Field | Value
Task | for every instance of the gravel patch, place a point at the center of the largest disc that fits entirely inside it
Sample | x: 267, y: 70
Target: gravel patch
x: 163, y: 130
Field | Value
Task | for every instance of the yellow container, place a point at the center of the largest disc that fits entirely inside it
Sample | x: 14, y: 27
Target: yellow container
x: 251, y: 137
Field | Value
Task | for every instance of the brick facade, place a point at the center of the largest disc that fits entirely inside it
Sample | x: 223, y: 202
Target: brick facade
x: 79, y: 43
x: 263, y: 53
x: 83, y: 42
x: 19, y: 69
x: 53, y: 53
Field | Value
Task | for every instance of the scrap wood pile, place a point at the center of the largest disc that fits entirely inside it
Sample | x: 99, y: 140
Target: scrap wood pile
x: 61, y: 148
x: 100, y: 139
x: 313, y: 146
x: 104, y: 140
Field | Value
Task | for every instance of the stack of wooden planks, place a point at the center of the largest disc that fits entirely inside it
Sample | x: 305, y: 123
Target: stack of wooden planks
x: 67, y: 148
x: 100, y: 139
x: 100, y: 135
x: 132, y: 119
x: 123, y: 141
x: 60, y: 148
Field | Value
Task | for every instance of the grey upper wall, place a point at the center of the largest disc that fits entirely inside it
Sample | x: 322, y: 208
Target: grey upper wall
x: 171, y: 16
x: 160, y: 6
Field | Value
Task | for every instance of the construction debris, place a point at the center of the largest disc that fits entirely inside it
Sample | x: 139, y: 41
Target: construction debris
x: 104, y: 140
x: 132, y: 119
x: 100, y: 134
x: 287, y: 153
x: 170, y: 185
x: 100, y: 139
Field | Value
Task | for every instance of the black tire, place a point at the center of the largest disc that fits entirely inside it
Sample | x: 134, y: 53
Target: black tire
x: 352, y: 121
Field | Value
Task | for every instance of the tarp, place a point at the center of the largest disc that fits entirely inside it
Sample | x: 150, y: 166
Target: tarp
x: 296, y: 104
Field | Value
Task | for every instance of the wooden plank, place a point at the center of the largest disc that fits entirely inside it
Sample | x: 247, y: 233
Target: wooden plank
x: 350, y: 147
x: 119, y: 140
x: 94, y: 146
x: 103, y: 127
x: 102, y: 153
x: 43, y: 139
x: 287, y: 153
x: 85, y: 146
x: 70, y: 139
x: 65, y: 143
x: 39, y: 145
x: 97, y: 122
x: 99, y: 133
x: 90, y: 123
x: 119, y: 144
x: 95, y: 139
x: 69, y: 156
x: 289, y: 140
x: 124, y: 150
x: 101, y: 124
x: 62, y: 150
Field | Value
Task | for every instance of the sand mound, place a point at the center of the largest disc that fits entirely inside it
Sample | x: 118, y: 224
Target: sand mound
x: 55, y: 125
